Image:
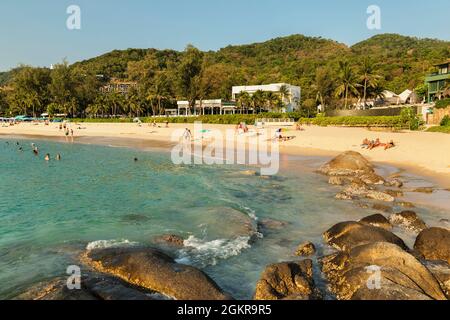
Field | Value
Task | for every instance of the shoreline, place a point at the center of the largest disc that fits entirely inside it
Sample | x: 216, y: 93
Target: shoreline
x: 311, y: 142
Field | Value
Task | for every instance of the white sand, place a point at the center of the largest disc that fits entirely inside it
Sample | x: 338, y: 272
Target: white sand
x: 429, y: 152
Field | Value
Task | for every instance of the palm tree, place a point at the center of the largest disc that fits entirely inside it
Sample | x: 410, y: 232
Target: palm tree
x: 368, y: 77
x: 258, y: 99
x: 285, y: 93
x: 273, y: 100
x: 244, y: 101
x: 347, y: 81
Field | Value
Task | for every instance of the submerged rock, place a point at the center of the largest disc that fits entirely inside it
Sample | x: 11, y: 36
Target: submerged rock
x: 406, y: 204
x: 382, y: 207
x: 408, y: 220
x: 287, y: 280
x: 371, y: 178
x: 345, y: 236
x: 170, y: 239
x: 423, y: 190
x: 361, y: 190
x: 380, y: 271
x: 377, y: 220
x: 434, y: 244
x: 153, y: 270
x: 347, y: 164
x: 305, y: 249
x: 394, y: 193
x: 272, y: 224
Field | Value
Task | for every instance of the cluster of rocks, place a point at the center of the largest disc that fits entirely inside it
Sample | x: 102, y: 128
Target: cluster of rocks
x: 370, y: 262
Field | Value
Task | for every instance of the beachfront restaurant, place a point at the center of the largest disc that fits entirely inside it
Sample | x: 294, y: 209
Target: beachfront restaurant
x: 206, y: 107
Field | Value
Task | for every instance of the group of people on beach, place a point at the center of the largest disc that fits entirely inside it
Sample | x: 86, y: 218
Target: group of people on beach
x: 68, y: 132
x: 372, y: 144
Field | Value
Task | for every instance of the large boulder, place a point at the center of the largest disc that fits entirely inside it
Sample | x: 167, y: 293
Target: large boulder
x: 347, y: 164
x: 287, y: 280
x: 434, y: 244
x: 408, y: 220
x: 345, y: 236
x: 381, y: 271
x: 154, y: 270
x: 377, y: 220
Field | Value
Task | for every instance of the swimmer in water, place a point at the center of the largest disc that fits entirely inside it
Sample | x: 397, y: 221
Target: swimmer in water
x: 47, y: 157
x: 58, y: 157
x: 136, y: 159
x: 36, y: 151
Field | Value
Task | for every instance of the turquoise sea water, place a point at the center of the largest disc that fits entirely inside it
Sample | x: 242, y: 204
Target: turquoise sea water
x: 98, y: 196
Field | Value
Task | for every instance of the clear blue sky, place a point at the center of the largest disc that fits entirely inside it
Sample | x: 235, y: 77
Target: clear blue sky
x: 34, y: 31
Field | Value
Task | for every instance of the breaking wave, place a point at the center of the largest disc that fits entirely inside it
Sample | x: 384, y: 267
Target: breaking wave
x: 104, y: 244
x: 202, y: 253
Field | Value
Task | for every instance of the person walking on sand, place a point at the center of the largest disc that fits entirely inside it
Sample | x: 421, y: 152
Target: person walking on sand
x: 71, y: 134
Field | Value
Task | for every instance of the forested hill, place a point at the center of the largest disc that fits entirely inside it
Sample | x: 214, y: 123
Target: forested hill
x: 401, y: 61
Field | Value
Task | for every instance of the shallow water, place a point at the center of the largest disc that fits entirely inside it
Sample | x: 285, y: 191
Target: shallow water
x: 98, y: 196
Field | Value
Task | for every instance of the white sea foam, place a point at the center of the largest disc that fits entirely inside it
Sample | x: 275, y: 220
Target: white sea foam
x: 202, y: 253
x: 103, y: 244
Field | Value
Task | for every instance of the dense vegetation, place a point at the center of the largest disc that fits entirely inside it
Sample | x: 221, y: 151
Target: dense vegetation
x: 444, y: 127
x: 329, y: 73
x: 442, y: 103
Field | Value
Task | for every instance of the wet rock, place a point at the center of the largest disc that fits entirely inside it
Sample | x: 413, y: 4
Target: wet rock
x: 153, y: 270
x: 287, y: 280
x: 371, y: 178
x: 441, y: 270
x: 337, y: 181
x: 343, y: 196
x: 406, y: 204
x: 306, y: 249
x: 381, y: 271
x: 93, y: 287
x: 422, y: 190
x: 377, y: 220
x: 408, y: 220
x: 434, y: 244
x: 347, y: 235
x: 394, y: 183
x: 380, y: 196
x: 347, y: 164
x: 272, y: 224
x: 358, y: 190
x: 170, y: 239
x: 394, y: 193
x: 382, y: 207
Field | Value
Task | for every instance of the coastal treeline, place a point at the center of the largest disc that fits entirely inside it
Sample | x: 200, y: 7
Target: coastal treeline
x: 329, y: 73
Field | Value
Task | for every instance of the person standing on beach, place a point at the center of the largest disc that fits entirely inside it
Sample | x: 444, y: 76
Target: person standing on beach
x: 71, y: 134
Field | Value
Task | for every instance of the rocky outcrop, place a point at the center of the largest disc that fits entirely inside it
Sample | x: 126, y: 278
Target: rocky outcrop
x: 408, y: 220
x: 382, y: 207
x: 306, y: 249
x: 377, y: 220
x: 394, y: 183
x: 287, y: 280
x: 153, y: 270
x: 345, y: 236
x: 349, y: 163
x: 441, y: 270
x: 381, y: 271
x: 93, y: 287
x: 434, y: 244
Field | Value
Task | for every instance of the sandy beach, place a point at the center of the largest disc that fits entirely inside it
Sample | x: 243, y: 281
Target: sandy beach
x: 421, y: 152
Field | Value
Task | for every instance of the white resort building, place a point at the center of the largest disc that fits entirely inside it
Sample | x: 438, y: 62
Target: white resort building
x: 292, y: 100
x: 206, y: 107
